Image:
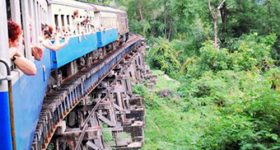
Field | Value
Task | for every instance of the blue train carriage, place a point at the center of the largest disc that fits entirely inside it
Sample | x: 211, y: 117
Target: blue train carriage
x: 5, y: 125
x: 81, y: 30
x: 106, y: 24
x: 103, y: 27
x: 27, y: 92
x: 122, y: 25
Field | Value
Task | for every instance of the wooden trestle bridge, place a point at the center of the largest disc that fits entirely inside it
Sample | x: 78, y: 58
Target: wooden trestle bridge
x: 96, y: 108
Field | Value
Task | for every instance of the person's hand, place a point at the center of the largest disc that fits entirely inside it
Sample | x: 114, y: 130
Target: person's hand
x: 37, y: 52
x: 66, y: 39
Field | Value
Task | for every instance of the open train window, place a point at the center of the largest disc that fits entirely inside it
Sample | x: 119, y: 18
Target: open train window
x: 14, y: 13
x: 56, y: 20
x: 62, y: 21
x: 9, y: 15
x: 9, y: 11
x: 68, y: 20
x: 22, y: 42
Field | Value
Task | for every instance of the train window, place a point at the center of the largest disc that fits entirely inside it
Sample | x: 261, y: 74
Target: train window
x: 38, y: 21
x: 41, y: 15
x: 68, y: 20
x: 44, y: 16
x: 29, y: 9
x: 9, y: 15
x: 30, y: 21
x: 35, y: 20
x: 22, y: 44
x: 39, y: 18
x: 9, y: 11
x: 56, y: 20
x: 62, y: 20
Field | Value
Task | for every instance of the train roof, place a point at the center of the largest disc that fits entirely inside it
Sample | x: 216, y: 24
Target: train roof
x: 107, y: 9
x: 71, y: 3
x: 85, y: 5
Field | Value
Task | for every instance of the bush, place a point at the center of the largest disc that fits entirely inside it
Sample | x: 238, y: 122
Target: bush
x: 163, y: 56
x: 231, y: 96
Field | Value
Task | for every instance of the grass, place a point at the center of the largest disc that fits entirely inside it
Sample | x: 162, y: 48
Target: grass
x: 165, y: 82
x: 170, y: 125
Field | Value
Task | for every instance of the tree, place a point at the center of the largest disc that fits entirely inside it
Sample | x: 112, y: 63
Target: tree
x: 214, y: 14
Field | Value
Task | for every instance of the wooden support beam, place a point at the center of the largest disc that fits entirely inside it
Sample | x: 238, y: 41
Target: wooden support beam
x: 92, y: 145
x: 77, y: 131
x: 105, y: 120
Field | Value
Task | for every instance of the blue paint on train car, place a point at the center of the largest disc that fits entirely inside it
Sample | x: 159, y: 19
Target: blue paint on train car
x: 28, y: 96
x: 106, y: 37
x: 5, y: 126
x: 76, y: 48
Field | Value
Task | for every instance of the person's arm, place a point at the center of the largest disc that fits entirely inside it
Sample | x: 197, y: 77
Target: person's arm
x: 55, y: 47
x: 25, y: 65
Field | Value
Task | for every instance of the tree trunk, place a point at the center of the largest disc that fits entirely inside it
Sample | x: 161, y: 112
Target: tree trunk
x: 214, y: 14
x: 169, y: 32
x: 270, y: 29
x: 165, y: 20
x: 215, y: 32
x: 224, y: 15
x: 140, y: 12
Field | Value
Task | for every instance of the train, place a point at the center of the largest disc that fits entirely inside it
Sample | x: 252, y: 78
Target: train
x: 21, y: 96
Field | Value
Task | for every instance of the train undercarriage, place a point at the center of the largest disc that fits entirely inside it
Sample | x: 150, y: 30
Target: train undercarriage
x: 95, y: 108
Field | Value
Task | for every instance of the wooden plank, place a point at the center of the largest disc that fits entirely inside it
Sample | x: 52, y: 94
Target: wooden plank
x: 92, y: 145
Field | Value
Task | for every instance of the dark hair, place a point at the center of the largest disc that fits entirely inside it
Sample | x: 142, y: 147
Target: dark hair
x: 44, y: 27
x: 75, y: 13
x: 47, y: 30
x: 14, y: 30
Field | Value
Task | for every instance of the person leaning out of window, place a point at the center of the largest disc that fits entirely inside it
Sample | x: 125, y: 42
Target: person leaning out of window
x: 48, y: 39
x: 25, y: 65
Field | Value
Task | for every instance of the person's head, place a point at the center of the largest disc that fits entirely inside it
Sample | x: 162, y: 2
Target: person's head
x: 47, y: 31
x: 14, y: 32
x: 57, y: 29
x: 43, y: 27
x: 76, y: 13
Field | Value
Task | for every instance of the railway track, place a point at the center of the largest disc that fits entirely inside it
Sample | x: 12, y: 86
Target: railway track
x: 74, y: 93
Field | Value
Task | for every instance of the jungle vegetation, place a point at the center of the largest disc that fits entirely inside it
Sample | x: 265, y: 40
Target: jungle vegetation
x: 223, y: 58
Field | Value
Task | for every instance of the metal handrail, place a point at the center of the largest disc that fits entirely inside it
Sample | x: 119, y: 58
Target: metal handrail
x: 10, y: 90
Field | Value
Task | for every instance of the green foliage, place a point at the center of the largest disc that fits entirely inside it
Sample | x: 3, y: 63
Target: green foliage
x: 107, y: 135
x: 242, y: 86
x: 226, y: 132
x: 250, y: 52
x: 169, y: 83
x: 230, y: 97
x: 164, y: 57
x: 149, y: 99
x: 167, y: 126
